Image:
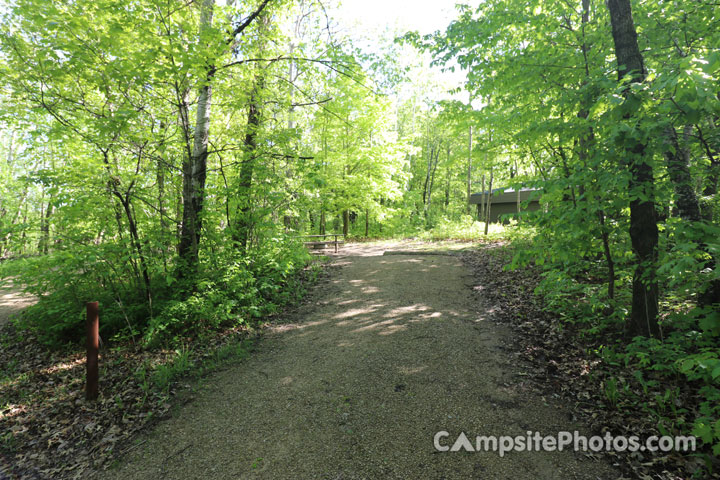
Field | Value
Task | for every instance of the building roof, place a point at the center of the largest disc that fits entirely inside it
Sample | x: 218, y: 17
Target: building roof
x: 506, y: 195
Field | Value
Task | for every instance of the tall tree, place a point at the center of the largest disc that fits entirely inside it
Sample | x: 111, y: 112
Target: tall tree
x: 195, y: 165
x: 643, y: 318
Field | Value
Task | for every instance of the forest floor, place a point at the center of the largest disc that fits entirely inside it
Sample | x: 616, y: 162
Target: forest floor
x: 396, y: 343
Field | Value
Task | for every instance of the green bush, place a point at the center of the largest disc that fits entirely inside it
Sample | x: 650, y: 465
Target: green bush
x: 675, y: 379
x: 239, y: 293
x: 64, y: 281
x: 229, y: 290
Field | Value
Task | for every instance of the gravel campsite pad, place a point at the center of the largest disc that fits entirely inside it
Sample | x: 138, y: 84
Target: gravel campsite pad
x: 393, y: 348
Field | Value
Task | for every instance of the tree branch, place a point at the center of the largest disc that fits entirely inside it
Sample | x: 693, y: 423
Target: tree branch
x: 240, y: 28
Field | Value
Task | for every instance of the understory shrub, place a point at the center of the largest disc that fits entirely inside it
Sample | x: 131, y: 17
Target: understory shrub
x: 230, y: 290
x: 674, y: 379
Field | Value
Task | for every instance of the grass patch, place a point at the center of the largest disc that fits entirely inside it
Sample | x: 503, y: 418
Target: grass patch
x: 464, y: 230
x: 161, y: 376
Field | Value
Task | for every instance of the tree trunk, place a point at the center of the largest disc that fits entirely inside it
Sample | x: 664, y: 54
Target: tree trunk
x: 44, y: 243
x: 367, y: 222
x: 469, y: 169
x: 160, y: 178
x: 124, y: 201
x: 587, y: 142
x: 481, y: 205
x: 243, y: 227
x: 23, y: 237
x: 195, y: 167
x: 311, y: 217
x: 517, y: 200
x: 447, y: 180
x: 427, y: 176
x: 677, y: 160
x: 135, y: 237
x: 643, y: 224
x: 488, y: 204
x: 5, y: 243
x: 447, y: 190
x: 608, y: 255
x: 432, y: 178
x: 346, y: 222
x: 712, y: 175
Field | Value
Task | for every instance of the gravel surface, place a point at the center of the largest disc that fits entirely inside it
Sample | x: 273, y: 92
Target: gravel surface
x: 391, y: 350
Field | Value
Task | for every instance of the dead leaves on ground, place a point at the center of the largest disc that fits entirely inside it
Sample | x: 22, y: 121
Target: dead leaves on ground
x: 47, y: 428
x: 51, y: 431
x: 563, y: 364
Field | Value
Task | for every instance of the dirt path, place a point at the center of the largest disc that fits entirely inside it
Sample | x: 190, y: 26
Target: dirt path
x: 392, y: 350
x: 12, y: 300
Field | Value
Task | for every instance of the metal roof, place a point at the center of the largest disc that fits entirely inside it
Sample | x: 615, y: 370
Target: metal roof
x: 505, y: 195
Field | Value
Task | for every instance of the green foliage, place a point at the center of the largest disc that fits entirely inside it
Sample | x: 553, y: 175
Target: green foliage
x: 65, y: 281
x: 610, y: 388
x: 159, y: 378
x: 241, y: 293
x: 707, y: 426
x: 466, y: 229
x: 165, y: 374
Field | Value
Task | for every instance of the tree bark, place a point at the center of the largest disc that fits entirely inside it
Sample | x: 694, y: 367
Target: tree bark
x: 431, y: 174
x: 124, y: 201
x: 160, y: 178
x: 44, y: 243
x: 5, y: 242
x: 135, y: 236
x: 643, y: 223
x: 517, y: 193
x: 677, y: 160
x: 447, y: 180
x: 427, y: 175
x: 481, y: 205
x: 346, y: 222
x: 608, y: 255
x: 243, y: 228
x: 469, y: 169
x: 23, y: 237
x: 587, y: 143
x: 712, y: 173
x: 195, y: 166
x: 488, y: 204
x: 367, y: 222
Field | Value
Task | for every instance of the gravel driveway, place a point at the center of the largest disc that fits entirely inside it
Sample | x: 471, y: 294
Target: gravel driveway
x: 391, y: 350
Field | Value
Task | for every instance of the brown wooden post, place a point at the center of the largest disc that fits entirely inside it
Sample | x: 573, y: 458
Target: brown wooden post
x: 93, y: 346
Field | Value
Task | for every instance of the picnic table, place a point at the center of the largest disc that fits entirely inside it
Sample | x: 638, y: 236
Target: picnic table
x: 321, y: 241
